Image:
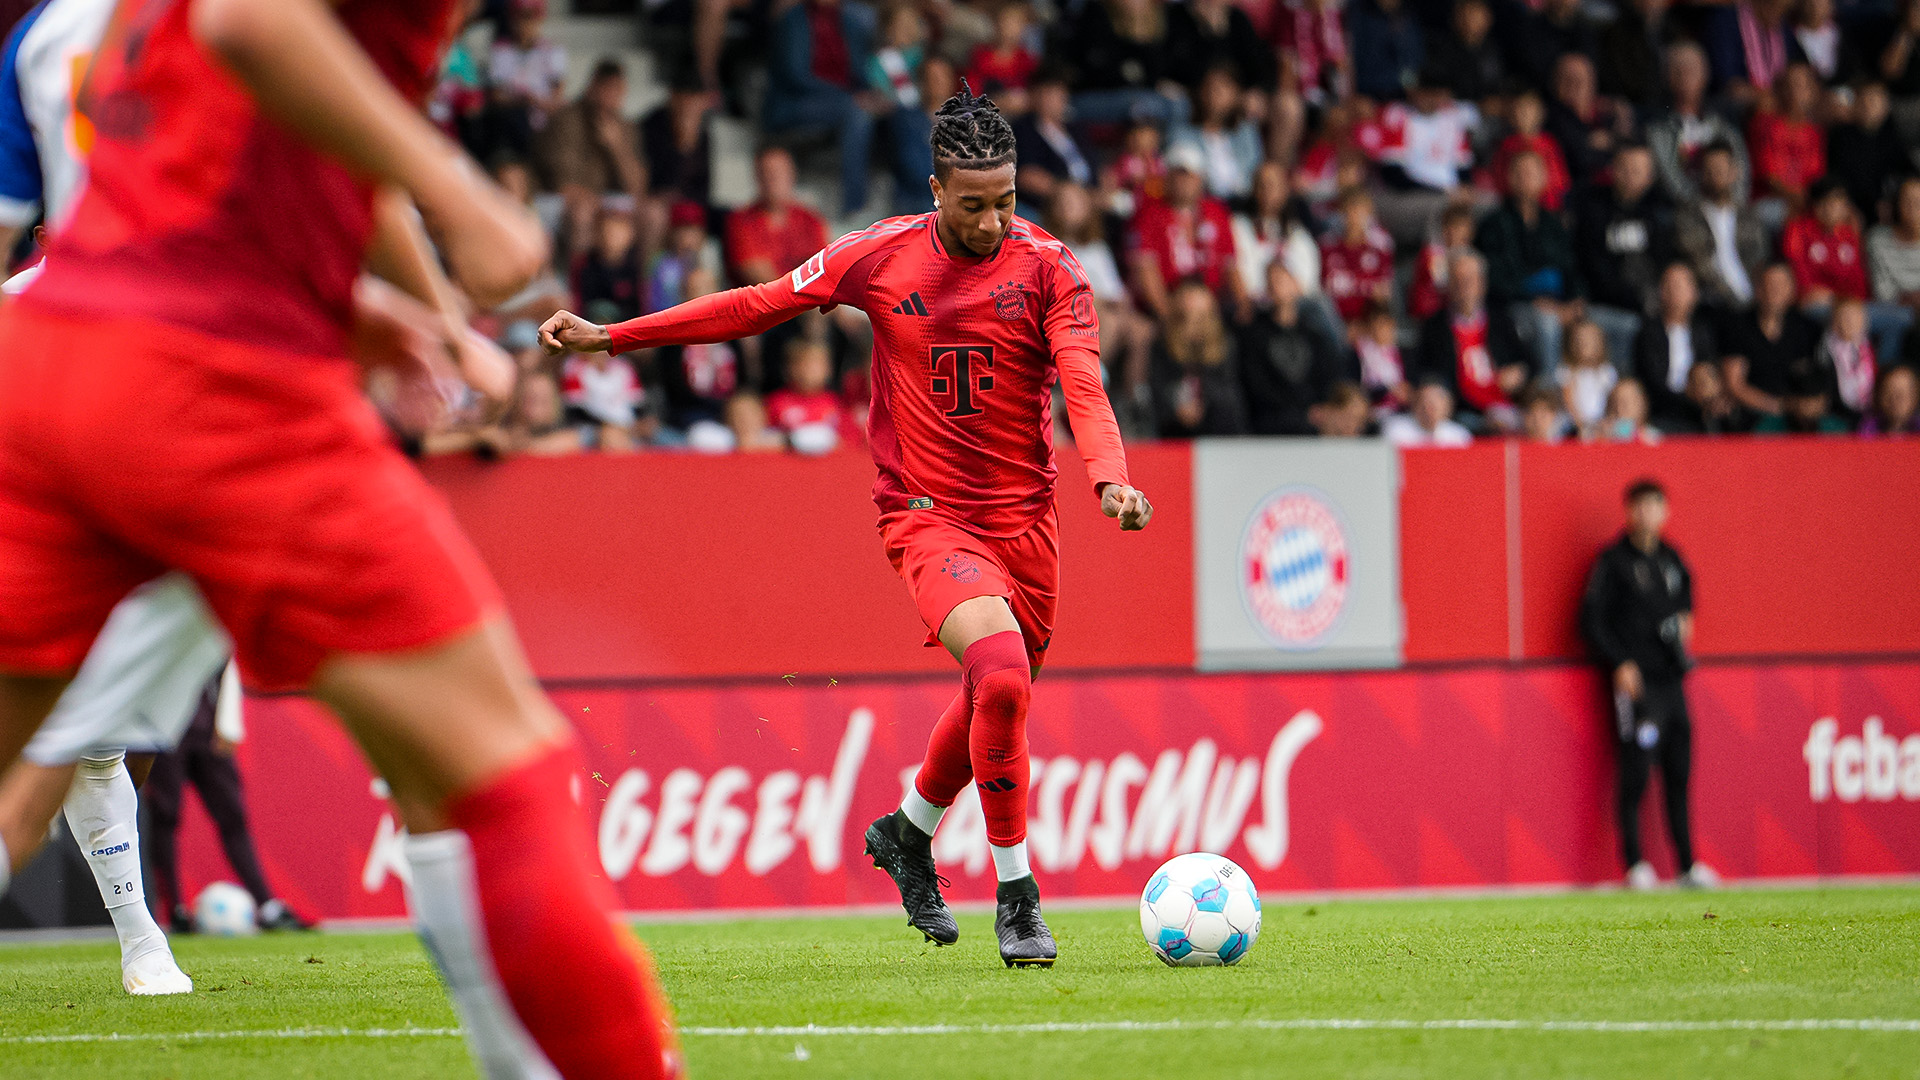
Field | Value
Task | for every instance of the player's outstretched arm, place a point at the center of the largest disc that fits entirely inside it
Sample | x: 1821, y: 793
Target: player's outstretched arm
x: 704, y: 320
x: 306, y: 71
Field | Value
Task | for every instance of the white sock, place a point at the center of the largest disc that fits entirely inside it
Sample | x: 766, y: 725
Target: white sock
x: 1010, y: 863
x: 446, y: 910
x: 6, y: 867
x: 924, y: 815
x: 103, y: 813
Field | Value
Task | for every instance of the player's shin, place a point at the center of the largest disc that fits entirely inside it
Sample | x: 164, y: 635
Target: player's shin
x: 576, y: 979
x: 997, y: 669
x: 444, y: 900
x: 947, y: 768
x: 104, y: 814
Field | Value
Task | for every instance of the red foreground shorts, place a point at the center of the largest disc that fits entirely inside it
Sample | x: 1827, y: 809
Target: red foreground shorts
x: 945, y: 564
x: 131, y: 447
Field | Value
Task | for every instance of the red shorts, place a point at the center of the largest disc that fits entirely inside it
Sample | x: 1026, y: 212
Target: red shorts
x: 945, y: 564
x: 129, y: 447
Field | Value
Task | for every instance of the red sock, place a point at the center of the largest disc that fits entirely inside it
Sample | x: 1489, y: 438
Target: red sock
x: 579, y: 982
x: 948, y: 767
x: 997, y: 671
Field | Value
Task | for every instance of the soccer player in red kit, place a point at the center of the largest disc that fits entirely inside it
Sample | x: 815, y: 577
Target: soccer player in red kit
x: 975, y: 314
x: 177, y: 392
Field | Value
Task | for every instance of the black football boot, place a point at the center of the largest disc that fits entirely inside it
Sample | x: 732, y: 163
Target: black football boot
x: 906, y: 854
x: 1024, y: 937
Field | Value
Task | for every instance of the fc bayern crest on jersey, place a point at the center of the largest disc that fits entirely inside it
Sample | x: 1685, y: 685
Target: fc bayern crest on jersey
x: 1295, y: 569
x: 1009, y: 301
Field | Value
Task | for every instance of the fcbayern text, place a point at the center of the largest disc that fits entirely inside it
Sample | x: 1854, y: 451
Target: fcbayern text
x: 1872, y: 765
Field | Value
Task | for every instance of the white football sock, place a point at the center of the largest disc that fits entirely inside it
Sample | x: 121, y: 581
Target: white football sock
x: 103, y: 813
x: 924, y: 815
x: 446, y: 910
x: 1010, y: 863
x: 6, y: 867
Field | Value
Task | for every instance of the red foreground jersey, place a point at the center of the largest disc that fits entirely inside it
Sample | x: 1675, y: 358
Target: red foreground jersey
x: 202, y: 213
x: 965, y: 355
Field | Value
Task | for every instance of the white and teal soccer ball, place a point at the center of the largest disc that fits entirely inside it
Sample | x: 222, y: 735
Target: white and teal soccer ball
x: 1200, y: 910
x: 224, y: 909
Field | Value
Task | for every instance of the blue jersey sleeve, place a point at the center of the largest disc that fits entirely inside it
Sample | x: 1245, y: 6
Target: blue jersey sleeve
x: 20, y: 184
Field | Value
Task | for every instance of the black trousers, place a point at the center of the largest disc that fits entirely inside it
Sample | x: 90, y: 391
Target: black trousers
x: 214, y: 775
x: 1660, y: 735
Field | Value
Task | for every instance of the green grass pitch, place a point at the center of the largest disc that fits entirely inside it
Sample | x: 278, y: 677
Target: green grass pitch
x: 1753, y: 991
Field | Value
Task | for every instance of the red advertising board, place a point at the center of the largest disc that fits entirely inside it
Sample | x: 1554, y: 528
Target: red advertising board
x: 754, y: 796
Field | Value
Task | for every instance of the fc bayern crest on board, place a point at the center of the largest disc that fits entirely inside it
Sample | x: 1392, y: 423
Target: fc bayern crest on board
x: 1294, y: 567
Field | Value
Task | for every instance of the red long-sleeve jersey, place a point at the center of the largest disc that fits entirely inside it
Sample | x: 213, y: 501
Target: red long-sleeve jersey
x: 965, y: 355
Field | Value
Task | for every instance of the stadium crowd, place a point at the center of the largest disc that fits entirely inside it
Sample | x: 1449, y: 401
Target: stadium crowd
x: 1431, y: 220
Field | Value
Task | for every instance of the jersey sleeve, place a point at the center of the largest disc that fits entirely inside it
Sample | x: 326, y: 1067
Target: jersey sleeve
x: 753, y: 309
x: 1072, y: 327
x: 20, y: 184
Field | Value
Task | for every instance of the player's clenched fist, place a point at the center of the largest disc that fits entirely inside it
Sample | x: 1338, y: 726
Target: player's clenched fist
x: 567, y: 332
x: 1130, y: 505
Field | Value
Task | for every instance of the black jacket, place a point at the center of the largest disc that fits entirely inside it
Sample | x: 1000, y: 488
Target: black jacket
x: 1669, y: 409
x: 1621, y: 247
x: 1217, y: 388
x: 1285, y: 370
x: 1631, y: 606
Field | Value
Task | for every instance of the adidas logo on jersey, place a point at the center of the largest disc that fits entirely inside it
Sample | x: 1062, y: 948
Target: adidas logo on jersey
x: 911, y: 306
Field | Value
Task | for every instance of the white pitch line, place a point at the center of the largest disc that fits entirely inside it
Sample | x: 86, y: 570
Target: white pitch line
x: 1067, y: 1028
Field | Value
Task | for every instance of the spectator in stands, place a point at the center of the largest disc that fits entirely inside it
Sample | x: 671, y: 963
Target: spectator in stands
x: 679, y: 149
x: 608, y: 273
x: 1429, y: 422
x: 1823, y: 246
x: 1720, y: 236
x: 1587, y: 378
x: 1893, y: 250
x: 1388, y: 48
x: 817, y: 52
x: 1140, y: 171
x: 776, y: 232
x: 526, y: 78
x: 1004, y: 67
x: 1588, y: 127
x: 1472, y: 350
x: 1682, y: 136
x: 1047, y: 150
x: 685, y: 248
x: 1896, y: 404
x: 1625, y: 420
x: 1205, y: 35
x: 804, y: 410
x: 589, y: 150
x: 1817, y: 39
x: 1311, y: 37
x: 1377, y: 358
x: 1530, y: 266
x: 1119, y: 49
x: 1763, y: 344
x: 1356, y: 263
x: 1275, y: 226
x: 1669, y: 347
x: 1630, y: 54
x: 1747, y: 43
x: 1287, y: 364
x: 1428, y: 291
x: 1709, y: 407
x: 1846, y: 354
x: 698, y: 380
x: 1623, y: 234
x: 1864, y: 150
x: 1344, y: 415
x: 606, y: 400
x: 1126, y: 334
x: 1536, y: 38
x: 1540, y: 417
x: 747, y: 422
x: 1528, y: 119
x: 1424, y: 147
x: 1637, y: 617
x: 1468, y: 57
x: 1227, y: 139
x: 459, y: 102
x: 1900, y: 60
x: 1789, y: 148
x: 1189, y: 234
x: 1805, y: 405
x: 536, y: 425
x: 1196, y: 376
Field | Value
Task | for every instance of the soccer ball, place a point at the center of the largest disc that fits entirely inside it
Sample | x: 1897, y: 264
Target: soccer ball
x: 1200, y: 910
x: 224, y: 909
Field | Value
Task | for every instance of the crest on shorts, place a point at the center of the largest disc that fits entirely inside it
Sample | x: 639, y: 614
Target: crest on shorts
x: 1295, y: 567
x: 961, y: 568
x: 1009, y: 301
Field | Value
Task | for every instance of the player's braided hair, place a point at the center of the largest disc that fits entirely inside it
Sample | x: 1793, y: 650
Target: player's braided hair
x: 970, y: 133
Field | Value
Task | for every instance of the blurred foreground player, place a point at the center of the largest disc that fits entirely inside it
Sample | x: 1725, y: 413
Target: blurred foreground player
x: 176, y: 392
x: 976, y: 313
x: 1637, y: 616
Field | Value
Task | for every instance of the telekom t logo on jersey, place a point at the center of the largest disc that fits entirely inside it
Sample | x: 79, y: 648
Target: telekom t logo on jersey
x: 962, y: 371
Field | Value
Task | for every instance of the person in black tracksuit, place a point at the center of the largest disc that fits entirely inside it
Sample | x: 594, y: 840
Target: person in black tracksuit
x: 1637, y: 617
